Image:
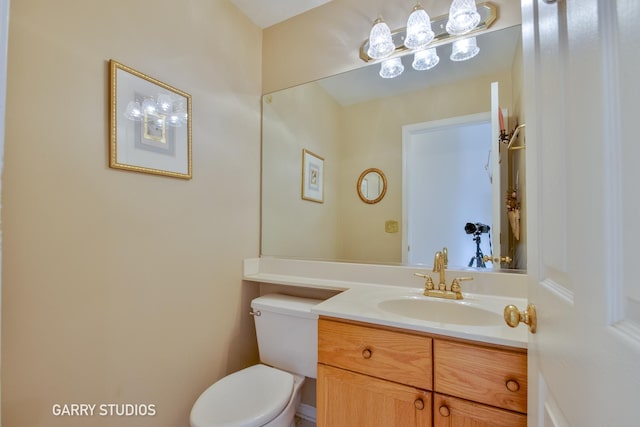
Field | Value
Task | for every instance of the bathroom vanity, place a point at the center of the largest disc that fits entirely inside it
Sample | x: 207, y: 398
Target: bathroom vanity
x: 375, y: 375
x: 390, y: 356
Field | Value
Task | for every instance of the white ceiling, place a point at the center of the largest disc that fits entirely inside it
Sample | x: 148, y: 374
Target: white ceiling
x: 265, y: 13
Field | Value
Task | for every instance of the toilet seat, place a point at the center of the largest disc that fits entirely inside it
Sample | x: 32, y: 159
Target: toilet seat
x: 250, y: 397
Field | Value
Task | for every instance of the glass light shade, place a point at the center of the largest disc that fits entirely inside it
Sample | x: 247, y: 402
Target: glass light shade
x: 464, y: 49
x: 149, y: 106
x: 173, y: 120
x: 419, y: 33
x: 391, y: 68
x: 463, y: 17
x: 133, y: 111
x: 425, y: 59
x: 165, y: 103
x: 380, y: 41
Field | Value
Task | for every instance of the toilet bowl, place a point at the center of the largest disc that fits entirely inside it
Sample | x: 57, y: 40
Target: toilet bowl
x: 266, y: 394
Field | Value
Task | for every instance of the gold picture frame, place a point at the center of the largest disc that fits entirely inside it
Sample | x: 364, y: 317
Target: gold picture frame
x: 312, y: 177
x: 150, y: 124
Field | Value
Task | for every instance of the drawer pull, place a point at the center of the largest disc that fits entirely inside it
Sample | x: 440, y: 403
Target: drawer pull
x: 419, y: 404
x: 366, y: 353
x: 513, y: 385
x: 444, y: 411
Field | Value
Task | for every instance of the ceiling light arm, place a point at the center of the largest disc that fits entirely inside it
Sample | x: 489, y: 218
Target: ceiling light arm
x: 488, y: 14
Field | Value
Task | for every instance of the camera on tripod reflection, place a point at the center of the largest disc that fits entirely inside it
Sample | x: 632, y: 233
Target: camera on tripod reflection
x: 476, y: 228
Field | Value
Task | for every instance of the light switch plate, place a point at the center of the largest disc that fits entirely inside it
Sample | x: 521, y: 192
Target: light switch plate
x: 391, y: 226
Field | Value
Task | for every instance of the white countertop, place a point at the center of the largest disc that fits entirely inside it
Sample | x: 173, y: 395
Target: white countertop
x: 365, y: 286
x: 363, y: 304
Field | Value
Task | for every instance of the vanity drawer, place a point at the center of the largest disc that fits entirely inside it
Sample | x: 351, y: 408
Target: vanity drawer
x: 493, y: 376
x: 392, y: 355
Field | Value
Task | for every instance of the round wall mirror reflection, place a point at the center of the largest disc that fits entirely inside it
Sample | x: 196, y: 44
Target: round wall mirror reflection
x: 372, y: 185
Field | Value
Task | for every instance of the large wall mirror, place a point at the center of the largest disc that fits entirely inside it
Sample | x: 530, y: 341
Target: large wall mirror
x: 355, y: 121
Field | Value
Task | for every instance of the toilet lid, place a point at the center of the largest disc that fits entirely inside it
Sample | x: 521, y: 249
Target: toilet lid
x: 250, y: 397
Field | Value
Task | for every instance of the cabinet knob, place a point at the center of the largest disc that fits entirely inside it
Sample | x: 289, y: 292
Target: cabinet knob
x: 366, y: 353
x: 512, y: 385
x: 419, y: 404
x: 444, y: 411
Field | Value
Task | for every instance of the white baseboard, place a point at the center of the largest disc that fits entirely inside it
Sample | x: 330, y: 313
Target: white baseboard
x: 306, y: 412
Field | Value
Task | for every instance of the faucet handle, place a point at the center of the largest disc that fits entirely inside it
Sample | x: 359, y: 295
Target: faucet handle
x: 455, y: 285
x: 428, y: 286
x: 502, y: 259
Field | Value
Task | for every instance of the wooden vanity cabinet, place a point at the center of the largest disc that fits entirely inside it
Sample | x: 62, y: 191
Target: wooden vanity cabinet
x: 370, y: 375
x: 494, y: 376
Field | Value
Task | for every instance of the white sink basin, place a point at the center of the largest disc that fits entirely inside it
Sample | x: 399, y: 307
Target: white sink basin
x: 441, y: 311
x: 477, y: 317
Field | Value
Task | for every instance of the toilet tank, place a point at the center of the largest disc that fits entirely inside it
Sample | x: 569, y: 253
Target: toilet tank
x: 287, y: 332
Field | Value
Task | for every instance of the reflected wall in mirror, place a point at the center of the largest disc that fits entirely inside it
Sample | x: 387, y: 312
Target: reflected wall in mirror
x: 371, y: 186
x: 355, y: 120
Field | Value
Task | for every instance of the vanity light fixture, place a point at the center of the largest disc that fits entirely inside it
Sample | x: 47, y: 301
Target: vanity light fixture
x: 422, y: 34
x: 464, y: 49
x: 463, y: 17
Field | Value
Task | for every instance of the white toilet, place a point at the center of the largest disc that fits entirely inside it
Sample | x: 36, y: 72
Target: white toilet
x: 266, y: 394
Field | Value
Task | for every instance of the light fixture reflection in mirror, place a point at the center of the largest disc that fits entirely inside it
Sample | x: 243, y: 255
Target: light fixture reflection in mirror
x: 464, y: 49
x: 391, y: 68
x: 425, y: 59
x: 372, y: 185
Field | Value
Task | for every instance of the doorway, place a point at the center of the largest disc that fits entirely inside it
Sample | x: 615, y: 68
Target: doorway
x: 447, y: 183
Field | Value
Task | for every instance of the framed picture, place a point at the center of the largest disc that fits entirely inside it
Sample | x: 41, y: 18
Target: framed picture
x: 312, y: 177
x: 150, y: 124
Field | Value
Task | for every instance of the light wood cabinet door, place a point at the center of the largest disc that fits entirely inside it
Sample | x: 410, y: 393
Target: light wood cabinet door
x: 493, y: 376
x: 392, y: 355
x: 453, y: 412
x: 348, y: 399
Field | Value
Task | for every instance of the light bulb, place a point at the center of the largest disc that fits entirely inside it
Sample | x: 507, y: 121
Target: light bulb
x: 425, y: 59
x: 463, y: 17
x: 391, y: 68
x: 380, y: 41
x: 419, y: 33
x: 464, y: 49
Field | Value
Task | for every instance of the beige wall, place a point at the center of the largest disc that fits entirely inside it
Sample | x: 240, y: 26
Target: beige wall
x: 325, y: 41
x: 304, y: 117
x: 120, y: 286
